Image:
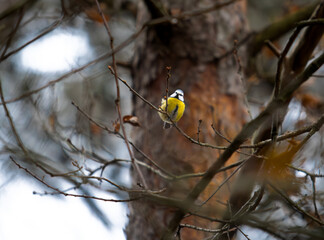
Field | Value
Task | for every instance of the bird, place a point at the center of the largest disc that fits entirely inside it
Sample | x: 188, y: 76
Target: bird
x: 174, y: 110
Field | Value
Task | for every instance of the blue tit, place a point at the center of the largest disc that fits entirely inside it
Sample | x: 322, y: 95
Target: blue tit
x: 175, y: 110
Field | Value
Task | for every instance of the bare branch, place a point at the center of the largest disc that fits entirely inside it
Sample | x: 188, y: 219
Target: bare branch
x: 12, y: 125
x: 73, y: 71
x: 184, y: 225
x: 295, y: 205
x: 69, y: 194
x: 246, y: 132
x: 311, y: 128
x: 47, y: 30
x: 280, y: 27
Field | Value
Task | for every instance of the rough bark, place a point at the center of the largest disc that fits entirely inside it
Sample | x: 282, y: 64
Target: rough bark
x: 213, y: 93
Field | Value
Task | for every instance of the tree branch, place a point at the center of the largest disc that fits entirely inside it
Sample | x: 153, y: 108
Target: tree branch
x: 277, y: 29
x: 246, y: 132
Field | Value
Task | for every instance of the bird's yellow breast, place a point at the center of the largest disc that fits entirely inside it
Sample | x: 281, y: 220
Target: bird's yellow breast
x: 175, y: 110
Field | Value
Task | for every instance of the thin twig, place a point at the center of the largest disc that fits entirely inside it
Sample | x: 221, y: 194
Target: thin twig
x: 69, y: 194
x: 315, y: 128
x: 295, y: 206
x: 134, y: 91
x: 211, y: 219
x: 192, y: 175
x: 279, y: 28
x: 281, y: 60
x: 12, y: 125
x: 198, y: 131
x: 119, y: 187
x: 110, y: 53
x: 245, y: 235
x: 14, y: 31
x: 219, y: 134
x: 198, y: 142
x: 73, y: 71
x: 122, y: 137
x: 240, y: 73
x: 185, y: 15
x: 273, y: 48
x: 91, y: 119
x: 314, y: 175
x: 117, y: 101
x: 184, y: 225
x: 311, y: 128
x: 159, y: 110
x: 91, y: 155
x: 278, y: 80
x: 225, y: 181
x: 47, y: 30
x: 176, y: 126
x: 246, y: 132
x: 313, y: 179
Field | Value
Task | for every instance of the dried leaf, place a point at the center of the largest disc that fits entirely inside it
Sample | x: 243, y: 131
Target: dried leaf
x: 116, y: 125
x: 133, y: 120
x: 94, y: 15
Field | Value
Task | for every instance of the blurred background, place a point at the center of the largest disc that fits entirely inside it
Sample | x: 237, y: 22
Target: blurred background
x: 61, y: 50
x: 41, y: 41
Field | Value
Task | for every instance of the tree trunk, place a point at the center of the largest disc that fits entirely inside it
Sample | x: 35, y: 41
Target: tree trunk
x: 199, y: 51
